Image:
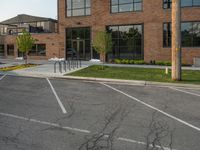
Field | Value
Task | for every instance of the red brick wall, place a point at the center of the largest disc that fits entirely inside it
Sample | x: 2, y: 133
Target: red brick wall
x: 54, y: 45
x: 153, y: 16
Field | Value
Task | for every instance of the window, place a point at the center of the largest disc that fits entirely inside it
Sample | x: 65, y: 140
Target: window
x: 184, y: 3
x: 38, y: 50
x: 10, y: 50
x: 167, y: 4
x: 190, y: 34
x: 1, y: 50
x: 125, y: 5
x: 78, y: 7
x: 127, y: 41
x: 167, y: 35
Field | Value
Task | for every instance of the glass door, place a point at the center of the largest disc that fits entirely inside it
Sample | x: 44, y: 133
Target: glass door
x: 79, y: 47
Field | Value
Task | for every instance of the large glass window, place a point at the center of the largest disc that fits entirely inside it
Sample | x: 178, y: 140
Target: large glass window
x: 125, y: 5
x: 38, y: 50
x: 184, y: 3
x: 10, y: 50
x: 78, y: 7
x: 127, y: 41
x: 1, y: 50
x: 190, y: 34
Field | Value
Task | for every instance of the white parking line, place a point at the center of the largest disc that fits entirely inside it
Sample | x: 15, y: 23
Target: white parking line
x: 57, y: 98
x: 152, y: 107
x: 183, y: 91
x: 44, y: 123
x: 70, y: 128
x: 143, y: 143
x: 3, y: 76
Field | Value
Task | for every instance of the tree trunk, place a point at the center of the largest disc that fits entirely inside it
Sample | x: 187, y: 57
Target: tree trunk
x: 176, y: 40
x: 25, y: 58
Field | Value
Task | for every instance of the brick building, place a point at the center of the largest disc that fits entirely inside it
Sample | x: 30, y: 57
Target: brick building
x: 141, y: 29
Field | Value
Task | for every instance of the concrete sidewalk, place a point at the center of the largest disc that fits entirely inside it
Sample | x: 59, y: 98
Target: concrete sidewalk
x: 46, y: 69
x: 10, y: 62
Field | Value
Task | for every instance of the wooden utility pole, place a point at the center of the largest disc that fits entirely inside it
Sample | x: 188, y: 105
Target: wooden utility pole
x: 176, y: 40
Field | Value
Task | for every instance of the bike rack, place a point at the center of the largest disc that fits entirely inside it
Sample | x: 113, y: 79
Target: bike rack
x: 69, y: 64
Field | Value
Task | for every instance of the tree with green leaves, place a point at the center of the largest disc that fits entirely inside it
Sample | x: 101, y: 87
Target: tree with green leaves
x: 102, y: 44
x: 25, y: 43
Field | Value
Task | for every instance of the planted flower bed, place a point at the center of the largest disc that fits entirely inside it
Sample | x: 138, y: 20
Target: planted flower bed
x: 17, y: 67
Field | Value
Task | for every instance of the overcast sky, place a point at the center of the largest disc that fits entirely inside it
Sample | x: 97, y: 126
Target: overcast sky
x: 43, y: 8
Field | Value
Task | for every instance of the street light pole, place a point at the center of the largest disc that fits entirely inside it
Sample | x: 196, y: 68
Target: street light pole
x: 176, y: 40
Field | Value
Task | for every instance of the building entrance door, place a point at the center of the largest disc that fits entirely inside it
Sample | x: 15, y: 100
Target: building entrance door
x: 79, y: 46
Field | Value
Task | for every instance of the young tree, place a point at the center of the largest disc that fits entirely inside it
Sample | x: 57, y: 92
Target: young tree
x: 102, y: 44
x: 24, y: 43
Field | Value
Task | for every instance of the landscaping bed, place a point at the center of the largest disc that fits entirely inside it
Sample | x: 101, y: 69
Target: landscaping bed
x: 142, y: 62
x: 17, y: 67
x: 131, y: 73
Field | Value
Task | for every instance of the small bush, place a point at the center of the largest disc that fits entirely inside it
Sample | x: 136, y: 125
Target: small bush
x: 163, y: 63
x: 127, y: 61
x: 139, y: 62
x: 131, y: 62
x: 117, y: 61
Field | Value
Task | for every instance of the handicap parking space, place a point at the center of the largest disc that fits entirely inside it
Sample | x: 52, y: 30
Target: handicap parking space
x: 34, y: 106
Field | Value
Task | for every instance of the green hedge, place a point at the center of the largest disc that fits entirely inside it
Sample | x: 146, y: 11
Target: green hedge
x: 163, y: 63
x: 127, y: 61
x: 142, y: 62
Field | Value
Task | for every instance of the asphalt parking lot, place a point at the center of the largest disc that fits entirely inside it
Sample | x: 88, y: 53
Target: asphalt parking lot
x: 60, y: 114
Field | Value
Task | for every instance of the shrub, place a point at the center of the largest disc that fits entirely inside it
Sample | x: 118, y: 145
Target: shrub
x: 117, y: 61
x: 131, y: 62
x: 163, y: 63
x: 127, y: 61
x: 139, y: 62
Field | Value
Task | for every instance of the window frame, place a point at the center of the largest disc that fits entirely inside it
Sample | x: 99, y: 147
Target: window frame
x: 118, y: 4
x: 36, y: 52
x: 196, y: 21
x: 142, y: 36
x: 3, y: 50
x: 85, y: 9
x: 181, y: 5
x: 7, y: 50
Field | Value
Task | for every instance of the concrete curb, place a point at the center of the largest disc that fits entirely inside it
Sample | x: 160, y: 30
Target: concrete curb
x: 111, y: 81
x: 131, y: 82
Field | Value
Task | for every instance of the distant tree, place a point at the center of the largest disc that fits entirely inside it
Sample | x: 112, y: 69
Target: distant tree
x: 102, y: 44
x: 25, y: 43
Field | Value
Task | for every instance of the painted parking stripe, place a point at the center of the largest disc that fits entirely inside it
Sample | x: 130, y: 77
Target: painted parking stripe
x: 3, y: 76
x: 183, y: 91
x: 154, y: 108
x: 70, y: 128
x: 57, y: 98
x: 44, y: 123
x: 143, y: 143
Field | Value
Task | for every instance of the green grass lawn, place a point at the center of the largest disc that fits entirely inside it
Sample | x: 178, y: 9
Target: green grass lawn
x: 129, y: 73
